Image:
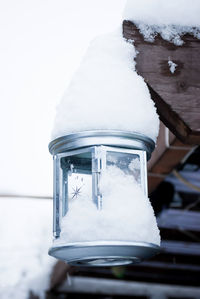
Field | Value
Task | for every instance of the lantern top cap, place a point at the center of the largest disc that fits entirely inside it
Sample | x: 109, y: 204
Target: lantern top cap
x: 114, y: 138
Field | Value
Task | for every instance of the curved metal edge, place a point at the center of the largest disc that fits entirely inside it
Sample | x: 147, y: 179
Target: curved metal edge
x: 114, y: 138
x: 107, y: 243
x: 107, y: 248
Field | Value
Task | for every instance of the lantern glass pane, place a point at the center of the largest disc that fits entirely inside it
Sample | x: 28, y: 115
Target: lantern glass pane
x: 128, y: 163
x: 76, y: 179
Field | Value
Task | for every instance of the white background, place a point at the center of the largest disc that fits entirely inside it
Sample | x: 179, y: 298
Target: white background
x: 41, y: 45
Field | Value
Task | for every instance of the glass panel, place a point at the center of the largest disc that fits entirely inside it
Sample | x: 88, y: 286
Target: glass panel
x: 77, y: 179
x: 128, y: 163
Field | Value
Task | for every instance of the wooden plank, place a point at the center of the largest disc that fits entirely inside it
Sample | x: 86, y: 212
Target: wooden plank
x: 173, y: 258
x: 177, y: 96
x: 181, y: 248
x: 167, y: 155
x: 119, y: 287
x: 161, y: 146
x: 192, y: 177
x: 171, y: 266
x: 59, y: 274
x: 79, y: 295
x: 172, y: 120
x: 170, y: 158
x: 159, y: 272
x: 169, y: 161
x: 153, y: 182
x: 179, y: 235
x: 175, y: 218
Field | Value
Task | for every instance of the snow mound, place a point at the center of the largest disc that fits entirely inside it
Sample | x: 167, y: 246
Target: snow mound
x: 107, y: 93
x: 126, y: 214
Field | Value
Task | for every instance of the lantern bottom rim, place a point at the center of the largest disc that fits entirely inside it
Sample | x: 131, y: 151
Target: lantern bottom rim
x: 104, y: 253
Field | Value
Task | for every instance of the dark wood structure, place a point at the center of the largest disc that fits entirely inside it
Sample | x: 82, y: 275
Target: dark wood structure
x: 167, y: 155
x: 176, y: 95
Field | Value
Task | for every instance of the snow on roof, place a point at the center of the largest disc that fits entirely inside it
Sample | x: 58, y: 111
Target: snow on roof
x: 107, y: 93
x: 172, y: 18
x: 25, y: 229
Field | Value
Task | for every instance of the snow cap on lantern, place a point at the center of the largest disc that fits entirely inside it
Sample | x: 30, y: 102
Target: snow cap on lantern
x: 107, y: 93
x: 105, y: 126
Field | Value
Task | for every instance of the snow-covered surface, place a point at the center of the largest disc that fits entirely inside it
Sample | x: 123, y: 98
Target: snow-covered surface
x: 171, y: 19
x: 126, y: 213
x: 162, y: 12
x: 25, y: 230
x: 172, y: 66
x: 107, y: 93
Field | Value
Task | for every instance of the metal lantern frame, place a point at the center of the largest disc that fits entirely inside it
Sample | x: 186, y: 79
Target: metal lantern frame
x: 97, y: 253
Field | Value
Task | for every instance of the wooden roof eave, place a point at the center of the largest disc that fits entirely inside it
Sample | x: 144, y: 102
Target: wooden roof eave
x: 176, y: 96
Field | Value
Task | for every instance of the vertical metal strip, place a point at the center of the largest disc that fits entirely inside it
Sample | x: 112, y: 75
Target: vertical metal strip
x: 143, y: 172
x: 65, y: 192
x: 93, y: 178
x: 56, y: 198
x: 98, y: 154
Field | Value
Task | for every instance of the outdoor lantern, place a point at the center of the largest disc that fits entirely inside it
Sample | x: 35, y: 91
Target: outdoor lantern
x: 87, y: 165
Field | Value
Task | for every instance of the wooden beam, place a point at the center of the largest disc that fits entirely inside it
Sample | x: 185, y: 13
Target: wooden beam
x: 181, y: 248
x: 177, y: 96
x: 171, y: 266
x: 183, y: 219
x: 59, y: 274
x: 171, y: 119
x: 168, y: 154
x: 173, y: 258
x: 177, y: 234
x: 155, y: 272
x: 119, y: 287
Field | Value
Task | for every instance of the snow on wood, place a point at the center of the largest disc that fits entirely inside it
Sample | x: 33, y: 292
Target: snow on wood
x: 176, y: 96
x: 172, y: 66
x: 171, y: 19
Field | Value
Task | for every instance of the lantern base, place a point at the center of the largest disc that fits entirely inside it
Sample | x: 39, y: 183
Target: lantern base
x: 104, y: 253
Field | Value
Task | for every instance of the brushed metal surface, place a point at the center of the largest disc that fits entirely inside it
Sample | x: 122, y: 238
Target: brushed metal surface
x: 102, y: 137
x: 104, y: 253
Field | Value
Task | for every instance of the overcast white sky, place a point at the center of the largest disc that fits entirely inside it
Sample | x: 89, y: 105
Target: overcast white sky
x: 41, y: 45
